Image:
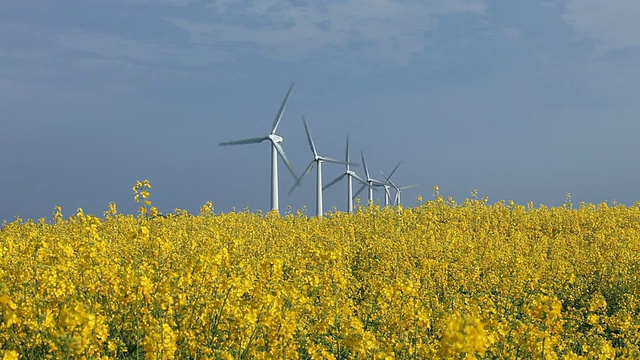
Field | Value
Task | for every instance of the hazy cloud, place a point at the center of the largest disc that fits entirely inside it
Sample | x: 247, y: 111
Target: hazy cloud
x: 159, y: 52
x: 110, y: 46
x: 612, y: 25
x: 379, y: 31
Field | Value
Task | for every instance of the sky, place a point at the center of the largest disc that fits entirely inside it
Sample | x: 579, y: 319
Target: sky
x: 519, y: 100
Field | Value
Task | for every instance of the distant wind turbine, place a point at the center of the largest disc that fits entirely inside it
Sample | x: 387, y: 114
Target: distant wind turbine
x: 396, y: 200
x: 317, y: 160
x: 276, y: 149
x: 387, y: 184
x: 350, y: 174
x: 399, y: 191
x: 370, y: 182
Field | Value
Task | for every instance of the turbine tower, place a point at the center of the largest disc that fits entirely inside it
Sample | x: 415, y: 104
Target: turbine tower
x: 276, y: 149
x: 317, y: 160
x: 350, y: 174
x: 370, y: 182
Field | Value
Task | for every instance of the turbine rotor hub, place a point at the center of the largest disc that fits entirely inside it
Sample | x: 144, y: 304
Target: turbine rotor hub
x: 276, y: 138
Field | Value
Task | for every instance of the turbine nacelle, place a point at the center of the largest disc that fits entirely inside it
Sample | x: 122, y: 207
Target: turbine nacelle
x: 275, y: 138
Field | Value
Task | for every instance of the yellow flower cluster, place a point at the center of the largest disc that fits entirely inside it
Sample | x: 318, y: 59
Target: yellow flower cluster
x: 442, y: 280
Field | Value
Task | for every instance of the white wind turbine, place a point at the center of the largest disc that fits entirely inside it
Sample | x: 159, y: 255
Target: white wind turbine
x: 276, y: 148
x: 350, y: 174
x: 399, y: 191
x: 370, y: 182
x: 388, y: 184
x: 396, y: 201
x: 317, y: 160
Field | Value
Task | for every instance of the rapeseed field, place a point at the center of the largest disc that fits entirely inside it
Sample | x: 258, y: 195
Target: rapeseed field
x: 442, y: 280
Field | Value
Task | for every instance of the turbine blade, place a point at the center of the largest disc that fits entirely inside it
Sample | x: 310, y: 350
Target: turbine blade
x: 408, y: 186
x: 359, y: 178
x: 334, y: 181
x: 309, y: 138
x: 254, y: 140
x: 284, y: 157
x: 332, y: 160
x: 281, y: 111
x: 359, y: 190
x: 299, y: 180
x: 347, y: 155
x: 364, y: 163
x: 387, y: 178
x: 386, y: 191
x: 394, y: 169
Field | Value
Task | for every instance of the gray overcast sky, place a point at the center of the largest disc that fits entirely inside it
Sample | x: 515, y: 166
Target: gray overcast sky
x: 521, y: 100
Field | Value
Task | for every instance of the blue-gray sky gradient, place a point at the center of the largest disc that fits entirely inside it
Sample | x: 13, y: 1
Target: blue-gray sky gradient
x: 523, y: 101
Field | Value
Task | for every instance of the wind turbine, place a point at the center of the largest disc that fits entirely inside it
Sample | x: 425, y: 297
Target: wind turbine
x: 388, y: 184
x: 370, y: 182
x: 276, y: 149
x: 399, y: 190
x: 350, y: 174
x: 317, y: 160
x: 396, y: 200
